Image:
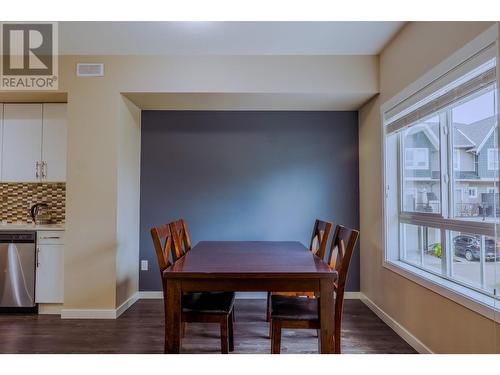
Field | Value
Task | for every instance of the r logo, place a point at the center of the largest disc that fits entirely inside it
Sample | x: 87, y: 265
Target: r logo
x: 27, y: 49
x: 29, y: 56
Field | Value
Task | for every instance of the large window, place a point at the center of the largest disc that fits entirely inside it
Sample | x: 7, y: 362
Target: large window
x: 492, y: 159
x: 421, y: 185
x: 417, y: 158
x: 441, y: 173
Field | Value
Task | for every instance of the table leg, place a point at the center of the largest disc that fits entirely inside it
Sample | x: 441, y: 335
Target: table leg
x: 173, y: 316
x: 326, y: 316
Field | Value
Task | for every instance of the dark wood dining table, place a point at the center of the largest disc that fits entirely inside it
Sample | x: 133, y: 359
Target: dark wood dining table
x: 248, y: 266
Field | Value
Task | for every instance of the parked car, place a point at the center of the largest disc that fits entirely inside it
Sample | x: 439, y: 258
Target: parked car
x: 469, y: 247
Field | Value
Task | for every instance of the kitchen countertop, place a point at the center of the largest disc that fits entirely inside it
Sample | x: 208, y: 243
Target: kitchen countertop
x: 29, y: 226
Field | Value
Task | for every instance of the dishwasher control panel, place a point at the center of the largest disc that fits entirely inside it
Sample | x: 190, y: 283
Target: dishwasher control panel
x: 22, y: 237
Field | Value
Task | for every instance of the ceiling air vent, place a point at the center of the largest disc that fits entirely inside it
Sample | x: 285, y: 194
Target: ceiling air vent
x: 90, y: 70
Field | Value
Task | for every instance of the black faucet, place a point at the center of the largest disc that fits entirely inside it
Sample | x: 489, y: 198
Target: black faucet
x: 34, y: 210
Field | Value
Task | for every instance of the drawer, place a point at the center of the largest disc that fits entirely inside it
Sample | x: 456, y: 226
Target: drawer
x: 50, y: 237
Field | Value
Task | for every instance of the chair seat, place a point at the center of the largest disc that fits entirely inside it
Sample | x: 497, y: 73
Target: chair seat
x: 208, y: 302
x: 294, y: 308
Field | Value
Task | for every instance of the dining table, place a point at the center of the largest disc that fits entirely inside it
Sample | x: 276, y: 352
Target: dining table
x: 249, y: 266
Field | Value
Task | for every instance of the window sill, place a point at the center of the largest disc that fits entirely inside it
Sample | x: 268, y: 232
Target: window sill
x: 475, y: 301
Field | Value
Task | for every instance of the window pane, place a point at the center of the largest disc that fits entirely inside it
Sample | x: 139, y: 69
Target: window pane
x: 421, y: 173
x: 475, y: 260
x: 492, y: 265
x: 422, y: 246
x: 475, y: 159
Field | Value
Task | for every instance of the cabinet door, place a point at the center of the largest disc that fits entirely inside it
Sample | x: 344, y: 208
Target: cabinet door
x: 50, y: 274
x: 21, y: 142
x: 1, y: 136
x: 54, y: 142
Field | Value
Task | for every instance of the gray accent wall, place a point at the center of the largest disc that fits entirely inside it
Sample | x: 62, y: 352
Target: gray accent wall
x: 247, y: 175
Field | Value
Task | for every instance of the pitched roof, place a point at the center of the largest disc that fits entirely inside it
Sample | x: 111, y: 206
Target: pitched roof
x: 431, y: 132
x: 471, y: 137
x: 474, y: 135
x: 461, y: 140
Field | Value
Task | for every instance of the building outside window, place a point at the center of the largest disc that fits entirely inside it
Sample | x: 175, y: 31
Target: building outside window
x: 456, y: 160
x: 492, y: 159
x: 417, y: 158
x: 441, y: 175
x: 472, y: 192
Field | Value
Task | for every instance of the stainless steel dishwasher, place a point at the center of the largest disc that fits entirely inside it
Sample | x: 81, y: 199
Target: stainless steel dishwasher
x: 17, y: 270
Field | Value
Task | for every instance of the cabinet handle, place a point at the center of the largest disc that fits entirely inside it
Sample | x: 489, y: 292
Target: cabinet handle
x: 37, y: 257
x: 44, y: 169
x: 37, y: 169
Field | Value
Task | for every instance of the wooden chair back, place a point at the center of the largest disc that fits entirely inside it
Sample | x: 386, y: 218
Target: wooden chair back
x: 343, y: 244
x: 181, y: 232
x: 319, y: 238
x: 170, y: 241
x: 164, y: 243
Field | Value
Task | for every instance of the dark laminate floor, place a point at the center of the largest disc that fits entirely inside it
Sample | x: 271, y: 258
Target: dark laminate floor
x: 140, y: 330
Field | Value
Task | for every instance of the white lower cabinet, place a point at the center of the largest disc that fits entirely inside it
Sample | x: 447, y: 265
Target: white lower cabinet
x: 50, y: 267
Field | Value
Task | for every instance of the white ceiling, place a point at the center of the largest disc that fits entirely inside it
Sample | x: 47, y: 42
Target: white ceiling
x: 225, y: 38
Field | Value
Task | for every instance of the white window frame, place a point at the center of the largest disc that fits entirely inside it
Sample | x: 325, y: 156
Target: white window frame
x: 466, y: 296
x: 474, y: 189
x: 492, y: 159
x: 415, y: 151
x: 456, y: 159
x: 492, y: 190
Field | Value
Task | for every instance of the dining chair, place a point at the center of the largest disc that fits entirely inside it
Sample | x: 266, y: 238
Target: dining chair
x: 319, y: 237
x: 185, y: 241
x: 302, y: 313
x: 202, y: 307
x: 183, y: 235
x: 319, y: 240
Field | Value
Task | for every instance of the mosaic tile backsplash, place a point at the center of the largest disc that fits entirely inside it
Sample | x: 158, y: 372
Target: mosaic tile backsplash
x: 17, y: 198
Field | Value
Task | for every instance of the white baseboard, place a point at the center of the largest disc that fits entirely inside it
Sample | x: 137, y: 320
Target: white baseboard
x: 99, y: 313
x: 151, y: 295
x: 251, y: 295
x: 414, y: 342
x: 49, y: 308
x: 352, y: 295
x: 125, y: 305
x: 263, y: 295
x: 88, y: 314
x: 241, y: 295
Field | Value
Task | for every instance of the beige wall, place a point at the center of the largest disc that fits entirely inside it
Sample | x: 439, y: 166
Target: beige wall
x: 91, y: 228
x: 129, y: 181
x: 101, y: 267
x: 439, y: 323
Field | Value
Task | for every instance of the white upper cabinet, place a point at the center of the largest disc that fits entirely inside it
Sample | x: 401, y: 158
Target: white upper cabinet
x: 1, y: 135
x: 21, y: 142
x: 33, y: 143
x: 54, y: 142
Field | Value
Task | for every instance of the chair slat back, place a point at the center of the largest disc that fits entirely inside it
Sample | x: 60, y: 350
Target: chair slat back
x: 182, y: 234
x: 163, y: 242
x: 319, y: 238
x: 343, y: 244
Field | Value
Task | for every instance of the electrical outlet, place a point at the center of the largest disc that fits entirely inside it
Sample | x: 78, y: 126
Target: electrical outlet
x: 144, y: 265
